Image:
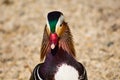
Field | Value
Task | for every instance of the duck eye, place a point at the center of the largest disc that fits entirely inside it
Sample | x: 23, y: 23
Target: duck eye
x: 60, y: 25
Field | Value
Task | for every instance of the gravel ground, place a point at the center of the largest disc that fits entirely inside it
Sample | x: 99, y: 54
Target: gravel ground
x: 95, y: 25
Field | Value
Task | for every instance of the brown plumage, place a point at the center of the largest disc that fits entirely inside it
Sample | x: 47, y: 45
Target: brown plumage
x: 65, y: 41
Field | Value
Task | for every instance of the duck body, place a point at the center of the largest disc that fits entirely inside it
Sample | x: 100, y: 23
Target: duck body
x: 58, y: 52
x: 59, y: 65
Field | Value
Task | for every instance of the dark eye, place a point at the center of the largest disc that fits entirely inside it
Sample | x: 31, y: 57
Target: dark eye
x: 60, y: 25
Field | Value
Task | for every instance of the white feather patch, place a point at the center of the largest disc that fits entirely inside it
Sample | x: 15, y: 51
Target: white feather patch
x: 60, y: 21
x: 52, y: 46
x: 66, y: 72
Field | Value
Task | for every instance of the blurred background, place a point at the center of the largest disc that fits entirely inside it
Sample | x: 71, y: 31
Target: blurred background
x: 95, y: 25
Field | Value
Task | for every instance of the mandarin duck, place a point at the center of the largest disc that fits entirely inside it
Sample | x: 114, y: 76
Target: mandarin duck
x: 58, y: 53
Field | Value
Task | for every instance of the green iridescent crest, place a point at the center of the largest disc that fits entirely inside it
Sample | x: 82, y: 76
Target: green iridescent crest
x: 53, y: 19
x: 53, y: 25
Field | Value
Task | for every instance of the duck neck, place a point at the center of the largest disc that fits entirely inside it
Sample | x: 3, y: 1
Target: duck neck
x: 57, y: 56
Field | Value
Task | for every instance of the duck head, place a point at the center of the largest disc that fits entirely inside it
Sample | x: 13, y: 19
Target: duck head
x: 55, y: 21
x: 56, y: 33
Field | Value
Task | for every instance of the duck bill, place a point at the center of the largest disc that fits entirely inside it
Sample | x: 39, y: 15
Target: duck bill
x: 53, y: 40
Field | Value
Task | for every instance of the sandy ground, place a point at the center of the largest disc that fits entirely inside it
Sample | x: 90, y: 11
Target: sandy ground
x: 95, y: 25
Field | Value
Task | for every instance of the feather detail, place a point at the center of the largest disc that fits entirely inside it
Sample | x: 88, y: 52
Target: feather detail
x: 66, y: 41
x: 45, y: 47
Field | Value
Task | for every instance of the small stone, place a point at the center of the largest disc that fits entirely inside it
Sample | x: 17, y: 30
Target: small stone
x: 110, y: 44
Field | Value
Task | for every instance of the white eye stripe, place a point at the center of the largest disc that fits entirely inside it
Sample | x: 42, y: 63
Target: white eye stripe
x: 59, y: 22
